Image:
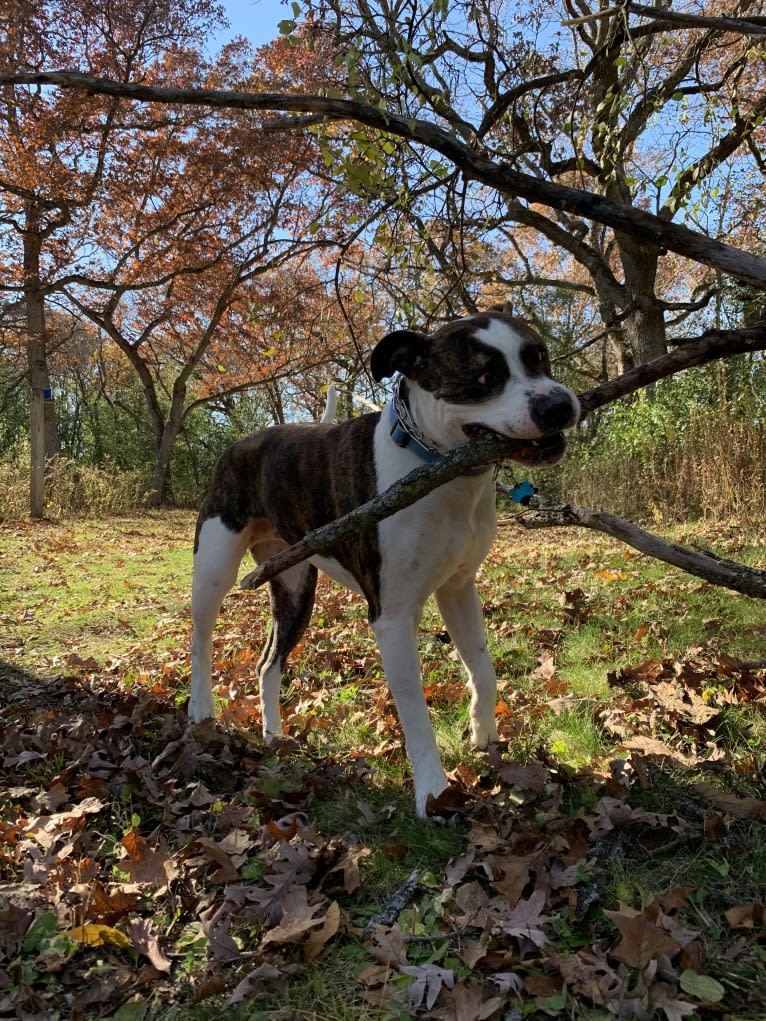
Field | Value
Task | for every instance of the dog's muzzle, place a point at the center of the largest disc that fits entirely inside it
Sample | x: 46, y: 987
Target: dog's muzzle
x: 540, y: 453
x: 550, y: 413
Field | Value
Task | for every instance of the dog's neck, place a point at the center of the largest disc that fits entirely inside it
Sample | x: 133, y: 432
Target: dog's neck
x: 406, y: 430
x: 427, y: 418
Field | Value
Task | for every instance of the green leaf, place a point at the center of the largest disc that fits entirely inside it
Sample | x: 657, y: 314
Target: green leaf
x: 286, y: 26
x: 134, y: 1010
x: 41, y: 929
x: 429, y: 880
x: 558, y: 1001
x: 702, y: 986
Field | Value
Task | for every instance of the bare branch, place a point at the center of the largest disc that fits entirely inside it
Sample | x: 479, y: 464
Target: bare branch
x: 742, y: 26
x: 642, y: 226
x: 697, y: 351
x: 484, y: 449
x: 718, y: 571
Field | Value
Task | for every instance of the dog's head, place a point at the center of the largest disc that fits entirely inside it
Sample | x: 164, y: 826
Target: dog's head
x: 487, y: 371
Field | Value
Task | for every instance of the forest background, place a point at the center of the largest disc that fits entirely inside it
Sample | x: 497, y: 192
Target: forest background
x: 174, y: 276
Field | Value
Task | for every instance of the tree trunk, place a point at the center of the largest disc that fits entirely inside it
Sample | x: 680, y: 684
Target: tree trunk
x: 44, y: 441
x: 644, y: 325
x: 170, y: 430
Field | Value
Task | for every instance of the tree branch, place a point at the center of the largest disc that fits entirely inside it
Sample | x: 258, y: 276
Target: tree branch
x: 748, y: 580
x: 644, y: 227
x: 708, y: 347
x: 742, y: 26
x: 485, y: 449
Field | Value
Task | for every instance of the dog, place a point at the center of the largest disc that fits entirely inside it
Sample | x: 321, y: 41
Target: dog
x: 487, y: 371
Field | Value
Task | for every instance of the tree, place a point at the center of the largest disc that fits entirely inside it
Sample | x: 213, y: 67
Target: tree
x: 55, y: 152
x: 647, y: 110
x: 179, y: 213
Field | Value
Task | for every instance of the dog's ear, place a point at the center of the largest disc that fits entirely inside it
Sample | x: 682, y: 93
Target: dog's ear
x: 401, y: 351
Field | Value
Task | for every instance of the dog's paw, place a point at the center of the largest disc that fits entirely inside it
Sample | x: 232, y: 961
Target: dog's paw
x: 429, y: 789
x: 483, y: 734
x: 200, y: 710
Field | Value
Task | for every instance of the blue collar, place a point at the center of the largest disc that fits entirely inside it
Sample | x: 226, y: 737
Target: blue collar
x: 402, y: 438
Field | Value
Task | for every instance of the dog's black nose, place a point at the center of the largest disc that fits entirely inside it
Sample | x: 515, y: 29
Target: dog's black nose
x: 552, y: 411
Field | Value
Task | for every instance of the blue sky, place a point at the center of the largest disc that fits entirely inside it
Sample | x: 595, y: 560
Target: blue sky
x: 257, y: 20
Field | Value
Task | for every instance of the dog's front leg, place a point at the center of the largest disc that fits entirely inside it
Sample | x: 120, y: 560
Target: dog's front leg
x: 461, y: 610
x: 397, y: 642
x: 216, y: 560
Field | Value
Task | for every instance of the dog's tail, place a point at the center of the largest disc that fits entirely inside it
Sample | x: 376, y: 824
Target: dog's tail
x: 330, y: 405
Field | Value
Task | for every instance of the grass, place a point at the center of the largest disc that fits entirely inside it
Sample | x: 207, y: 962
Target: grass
x: 94, y: 589
x: 566, y: 614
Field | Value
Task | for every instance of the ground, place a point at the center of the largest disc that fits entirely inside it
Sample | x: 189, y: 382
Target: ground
x: 607, y: 859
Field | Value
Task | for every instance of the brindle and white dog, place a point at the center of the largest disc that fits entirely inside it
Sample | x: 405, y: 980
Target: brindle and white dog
x: 487, y: 371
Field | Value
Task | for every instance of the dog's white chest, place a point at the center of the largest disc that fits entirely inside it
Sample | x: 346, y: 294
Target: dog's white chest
x: 445, y: 535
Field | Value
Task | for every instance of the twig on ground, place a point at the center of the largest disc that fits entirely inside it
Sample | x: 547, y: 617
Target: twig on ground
x: 394, y: 906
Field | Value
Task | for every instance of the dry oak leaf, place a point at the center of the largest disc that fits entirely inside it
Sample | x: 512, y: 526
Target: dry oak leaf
x: 298, y: 917
x: 227, y: 872
x: 739, y: 808
x: 465, y: 1003
x: 319, y: 937
x: 746, y: 916
x: 688, y: 703
x: 388, y: 945
x: 429, y: 980
x: 591, y: 976
x: 146, y: 864
x: 252, y: 984
x: 524, y: 920
x: 145, y: 941
x: 641, y: 940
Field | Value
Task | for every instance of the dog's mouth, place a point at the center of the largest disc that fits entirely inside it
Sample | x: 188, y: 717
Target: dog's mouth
x: 540, y: 453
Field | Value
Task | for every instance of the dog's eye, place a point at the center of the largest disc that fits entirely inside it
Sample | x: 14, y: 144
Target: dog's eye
x: 534, y: 358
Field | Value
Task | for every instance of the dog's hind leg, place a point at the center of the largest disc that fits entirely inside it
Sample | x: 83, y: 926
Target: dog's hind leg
x: 460, y: 607
x: 292, y: 599
x: 217, y: 558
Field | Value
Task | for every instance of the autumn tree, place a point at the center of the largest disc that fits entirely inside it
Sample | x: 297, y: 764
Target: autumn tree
x: 648, y: 109
x: 179, y: 212
x: 55, y: 154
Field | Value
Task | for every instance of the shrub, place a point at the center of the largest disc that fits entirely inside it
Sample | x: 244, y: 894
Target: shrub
x: 71, y: 489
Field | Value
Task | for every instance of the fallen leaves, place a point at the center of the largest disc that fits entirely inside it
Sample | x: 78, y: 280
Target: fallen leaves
x: 137, y: 854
